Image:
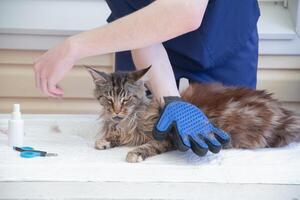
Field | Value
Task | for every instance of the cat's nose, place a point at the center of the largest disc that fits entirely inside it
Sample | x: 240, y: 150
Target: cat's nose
x: 117, y: 108
x: 117, y: 111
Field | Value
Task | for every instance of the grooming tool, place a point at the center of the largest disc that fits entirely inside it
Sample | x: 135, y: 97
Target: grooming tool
x: 189, y: 127
x: 29, y: 152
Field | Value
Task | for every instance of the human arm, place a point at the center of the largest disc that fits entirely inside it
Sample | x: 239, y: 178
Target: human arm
x: 161, y: 72
x: 150, y: 25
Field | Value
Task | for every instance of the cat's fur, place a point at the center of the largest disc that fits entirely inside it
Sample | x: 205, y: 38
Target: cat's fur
x: 252, y: 117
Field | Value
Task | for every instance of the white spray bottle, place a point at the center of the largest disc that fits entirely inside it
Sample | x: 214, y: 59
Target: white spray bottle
x: 16, y: 128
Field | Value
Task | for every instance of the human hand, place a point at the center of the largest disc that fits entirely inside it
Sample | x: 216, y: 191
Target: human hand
x: 51, y: 68
x: 189, y: 128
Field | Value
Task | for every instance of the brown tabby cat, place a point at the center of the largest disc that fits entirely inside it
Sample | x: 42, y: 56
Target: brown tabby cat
x: 252, y: 118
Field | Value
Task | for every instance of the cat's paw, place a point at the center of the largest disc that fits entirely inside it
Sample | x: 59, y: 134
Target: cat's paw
x: 134, y: 157
x: 102, y: 144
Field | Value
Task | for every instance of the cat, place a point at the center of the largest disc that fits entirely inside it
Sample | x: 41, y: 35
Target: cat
x: 253, y: 118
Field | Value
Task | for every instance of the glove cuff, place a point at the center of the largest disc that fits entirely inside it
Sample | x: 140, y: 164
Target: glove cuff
x: 170, y: 99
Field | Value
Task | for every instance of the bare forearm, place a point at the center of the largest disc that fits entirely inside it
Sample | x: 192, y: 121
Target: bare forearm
x: 161, y: 77
x: 150, y: 25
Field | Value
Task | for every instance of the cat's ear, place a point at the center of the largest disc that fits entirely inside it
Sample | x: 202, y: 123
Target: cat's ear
x: 139, y: 75
x: 99, y: 77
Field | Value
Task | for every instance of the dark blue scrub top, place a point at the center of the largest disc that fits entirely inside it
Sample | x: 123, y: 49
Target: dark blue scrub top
x: 224, y: 49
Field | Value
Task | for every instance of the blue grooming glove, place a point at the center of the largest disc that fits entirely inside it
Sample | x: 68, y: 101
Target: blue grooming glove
x: 189, y: 128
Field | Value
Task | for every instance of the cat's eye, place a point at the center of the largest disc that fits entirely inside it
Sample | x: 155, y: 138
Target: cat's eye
x: 99, y: 97
x: 125, y: 100
x: 110, y: 101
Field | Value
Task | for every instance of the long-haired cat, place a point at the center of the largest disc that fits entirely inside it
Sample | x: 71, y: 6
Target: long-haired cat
x: 252, y: 117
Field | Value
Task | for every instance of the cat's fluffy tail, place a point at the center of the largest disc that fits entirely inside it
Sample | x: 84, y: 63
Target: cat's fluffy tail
x: 287, y: 129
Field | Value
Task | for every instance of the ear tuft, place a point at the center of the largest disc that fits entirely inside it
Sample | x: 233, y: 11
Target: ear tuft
x: 99, y: 77
x: 138, y: 75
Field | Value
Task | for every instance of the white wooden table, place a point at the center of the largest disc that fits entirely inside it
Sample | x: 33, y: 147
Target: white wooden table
x: 82, y: 172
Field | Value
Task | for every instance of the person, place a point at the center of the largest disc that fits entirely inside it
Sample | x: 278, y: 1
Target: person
x: 204, y: 41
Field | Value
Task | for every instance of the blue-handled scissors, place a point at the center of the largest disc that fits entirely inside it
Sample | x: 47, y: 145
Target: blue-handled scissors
x: 29, y: 152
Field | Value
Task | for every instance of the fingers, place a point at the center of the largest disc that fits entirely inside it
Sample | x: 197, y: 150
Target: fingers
x: 221, y: 136
x: 41, y: 79
x: 165, y: 121
x: 49, y: 88
x: 198, y: 146
x: 55, y: 90
x: 182, y: 144
x: 158, y: 135
x: 163, y: 125
x: 44, y: 85
x: 36, y: 69
x: 213, y: 144
x: 37, y: 80
x: 51, y: 67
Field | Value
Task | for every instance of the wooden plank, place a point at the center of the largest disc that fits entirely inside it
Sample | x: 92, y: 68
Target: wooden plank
x: 73, y: 105
x: 278, y: 62
x: 17, y: 84
x: 18, y: 81
x: 28, y: 57
x: 137, y: 190
x: 50, y: 105
x: 294, y: 106
x: 285, y: 84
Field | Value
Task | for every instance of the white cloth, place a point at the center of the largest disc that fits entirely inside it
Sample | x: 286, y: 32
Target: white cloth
x: 73, y: 139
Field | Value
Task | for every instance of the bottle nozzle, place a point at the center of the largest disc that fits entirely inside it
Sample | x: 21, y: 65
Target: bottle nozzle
x: 16, y: 108
x: 16, y: 112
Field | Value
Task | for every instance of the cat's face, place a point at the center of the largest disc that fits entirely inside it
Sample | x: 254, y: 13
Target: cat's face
x: 119, y: 93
